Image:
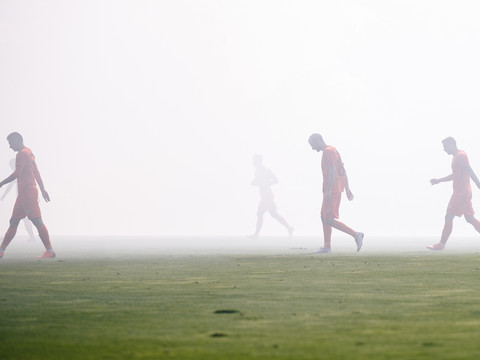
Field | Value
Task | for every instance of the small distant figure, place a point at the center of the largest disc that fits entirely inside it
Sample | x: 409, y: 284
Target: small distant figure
x: 264, y: 179
x: 26, y: 222
x: 335, y: 181
x: 461, y: 200
x: 27, y: 175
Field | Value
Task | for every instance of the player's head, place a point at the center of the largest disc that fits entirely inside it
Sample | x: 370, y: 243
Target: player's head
x: 450, y: 145
x: 257, y: 160
x: 316, y: 142
x: 16, y: 141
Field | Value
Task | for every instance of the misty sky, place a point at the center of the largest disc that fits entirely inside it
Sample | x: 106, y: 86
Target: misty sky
x: 144, y: 115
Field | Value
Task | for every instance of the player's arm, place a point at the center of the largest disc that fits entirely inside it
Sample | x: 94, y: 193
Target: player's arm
x: 444, y: 179
x: 347, y: 187
x: 19, y: 164
x: 39, y: 181
x: 473, y: 176
x: 7, y: 190
x: 12, y: 177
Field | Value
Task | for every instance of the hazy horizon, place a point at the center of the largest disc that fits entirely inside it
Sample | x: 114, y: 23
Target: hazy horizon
x: 111, y: 247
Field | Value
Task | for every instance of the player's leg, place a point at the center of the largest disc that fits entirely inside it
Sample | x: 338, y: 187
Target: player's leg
x: 357, y: 236
x: 259, y: 224
x: 459, y: 204
x: 447, y: 228
x: 17, y: 214
x: 260, y: 212
x: 45, y: 237
x: 327, y: 234
x: 274, y: 213
x: 472, y: 220
x: 341, y: 226
x: 331, y: 210
x: 446, y: 232
x: 32, y: 208
x: 9, y: 235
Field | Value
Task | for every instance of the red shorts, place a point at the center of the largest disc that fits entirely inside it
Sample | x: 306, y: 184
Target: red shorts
x: 27, y: 205
x: 330, y: 208
x: 460, y: 204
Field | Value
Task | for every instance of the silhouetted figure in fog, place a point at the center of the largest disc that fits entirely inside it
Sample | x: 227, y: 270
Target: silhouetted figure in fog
x: 27, y: 175
x: 461, y: 200
x: 264, y: 179
x: 26, y: 222
x: 335, y: 180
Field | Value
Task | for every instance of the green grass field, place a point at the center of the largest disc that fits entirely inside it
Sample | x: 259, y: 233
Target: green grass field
x: 293, y: 306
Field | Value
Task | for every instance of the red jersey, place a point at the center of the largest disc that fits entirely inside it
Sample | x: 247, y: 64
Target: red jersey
x: 461, y: 175
x: 331, y: 157
x: 26, y: 170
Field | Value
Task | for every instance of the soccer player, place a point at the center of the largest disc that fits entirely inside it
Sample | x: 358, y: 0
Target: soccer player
x: 335, y: 181
x: 461, y: 200
x: 264, y: 179
x: 26, y: 222
x: 26, y: 173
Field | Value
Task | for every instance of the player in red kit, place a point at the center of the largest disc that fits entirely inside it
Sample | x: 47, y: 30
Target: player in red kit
x: 335, y: 181
x: 27, y: 176
x: 461, y: 200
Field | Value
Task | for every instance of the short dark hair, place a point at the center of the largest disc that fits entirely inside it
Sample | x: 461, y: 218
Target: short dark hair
x: 315, y: 137
x: 449, y: 140
x: 15, y: 136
